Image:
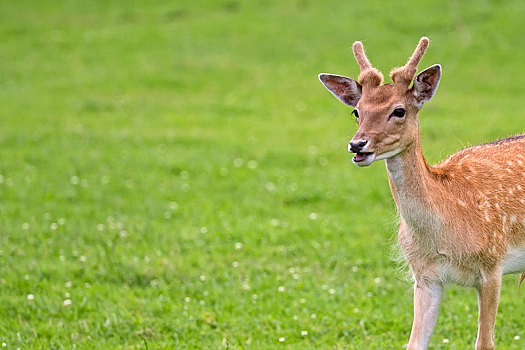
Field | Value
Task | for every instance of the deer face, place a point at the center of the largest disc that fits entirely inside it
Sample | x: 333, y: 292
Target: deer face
x: 386, y: 114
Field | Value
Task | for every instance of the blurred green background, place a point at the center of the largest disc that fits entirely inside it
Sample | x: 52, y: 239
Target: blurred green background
x: 173, y: 175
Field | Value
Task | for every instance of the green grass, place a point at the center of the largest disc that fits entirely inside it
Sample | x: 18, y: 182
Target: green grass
x: 178, y: 173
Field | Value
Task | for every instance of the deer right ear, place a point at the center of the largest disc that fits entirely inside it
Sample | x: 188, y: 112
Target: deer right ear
x: 346, y: 90
x: 426, y: 84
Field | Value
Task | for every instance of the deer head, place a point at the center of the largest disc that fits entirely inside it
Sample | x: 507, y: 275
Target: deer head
x: 386, y: 114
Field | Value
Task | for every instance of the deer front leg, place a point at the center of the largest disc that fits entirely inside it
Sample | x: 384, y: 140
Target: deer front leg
x: 426, y: 306
x: 488, y: 299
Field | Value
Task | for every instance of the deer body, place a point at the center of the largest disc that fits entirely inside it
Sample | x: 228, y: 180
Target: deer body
x: 463, y: 220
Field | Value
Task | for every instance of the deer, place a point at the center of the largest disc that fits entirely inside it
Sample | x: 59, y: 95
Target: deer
x: 462, y: 221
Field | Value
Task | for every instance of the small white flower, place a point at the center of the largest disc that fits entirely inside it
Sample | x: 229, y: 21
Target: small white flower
x: 516, y: 337
x: 187, y: 299
x: 235, y: 264
x: 75, y: 180
x: 313, y: 216
x: 67, y: 302
x: 282, y: 339
x: 281, y: 289
x: 252, y: 164
x: 331, y: 291
x: 174, y: 206
x: 355, y: 268
x: 270, y: 187
x: 304, y: 333
x: 69, y: 284
x: 30, y: 297
x: 445, y: 340
x: 238, y: 162
x: 204, y: 229
x: 238, y: 246
x: 202, y: 278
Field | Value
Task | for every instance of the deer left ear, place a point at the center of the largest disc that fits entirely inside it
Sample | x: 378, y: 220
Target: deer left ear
x: 425, y: 84
x: 345, y: 89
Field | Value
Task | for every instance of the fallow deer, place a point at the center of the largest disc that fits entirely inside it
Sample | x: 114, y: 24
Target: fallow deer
x: 462, y: 221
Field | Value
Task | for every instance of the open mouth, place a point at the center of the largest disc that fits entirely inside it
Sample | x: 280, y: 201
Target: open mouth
x: 361, y: 157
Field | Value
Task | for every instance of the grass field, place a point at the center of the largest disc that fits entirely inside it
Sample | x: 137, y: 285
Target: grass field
x: 173, y: 175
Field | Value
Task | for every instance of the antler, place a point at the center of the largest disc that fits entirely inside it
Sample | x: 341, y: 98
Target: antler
x: 403, y: 76
x: 369, y: 75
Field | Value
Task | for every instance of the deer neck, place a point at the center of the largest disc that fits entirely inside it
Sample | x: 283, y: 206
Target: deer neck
x: 413, y: 183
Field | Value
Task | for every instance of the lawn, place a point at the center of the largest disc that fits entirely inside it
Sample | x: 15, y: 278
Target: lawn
x: 173, y: 174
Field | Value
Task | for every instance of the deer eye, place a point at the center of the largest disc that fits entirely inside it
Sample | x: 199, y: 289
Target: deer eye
x: 356, y: 113
x: 399, y: 112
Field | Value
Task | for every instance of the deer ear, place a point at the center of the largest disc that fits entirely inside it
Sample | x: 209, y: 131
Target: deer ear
x: 346, y: 90
x: 425, y: 84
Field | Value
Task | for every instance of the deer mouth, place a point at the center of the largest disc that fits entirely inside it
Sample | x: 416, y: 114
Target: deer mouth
x: 364, y: 158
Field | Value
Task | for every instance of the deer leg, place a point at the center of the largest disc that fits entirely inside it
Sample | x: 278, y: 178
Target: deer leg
x: 488, y: 299
x: 426, y: 306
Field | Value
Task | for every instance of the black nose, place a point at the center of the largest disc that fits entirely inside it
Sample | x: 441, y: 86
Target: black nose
x: 357, y: 146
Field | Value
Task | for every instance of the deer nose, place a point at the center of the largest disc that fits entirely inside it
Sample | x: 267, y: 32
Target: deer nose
x: 357, y: 146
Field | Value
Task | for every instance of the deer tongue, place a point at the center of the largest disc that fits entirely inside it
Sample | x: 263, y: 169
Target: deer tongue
x: 359, y: 157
